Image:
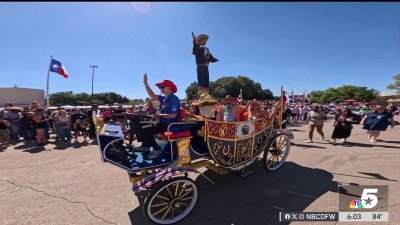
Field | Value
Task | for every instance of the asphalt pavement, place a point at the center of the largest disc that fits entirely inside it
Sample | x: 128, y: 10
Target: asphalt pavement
x: 69, y: 184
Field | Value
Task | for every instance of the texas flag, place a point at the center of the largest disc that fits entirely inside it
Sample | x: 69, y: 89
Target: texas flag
x: 59, y: 68
x: 286, y: 98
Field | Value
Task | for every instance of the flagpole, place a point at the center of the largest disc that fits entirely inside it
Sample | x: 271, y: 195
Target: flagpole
x: 47, y: 85
x: 281, y: 113
x: 292, y: 97
x: 241, y: 97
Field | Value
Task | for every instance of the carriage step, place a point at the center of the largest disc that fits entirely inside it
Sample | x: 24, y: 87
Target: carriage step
x: 245, y: 174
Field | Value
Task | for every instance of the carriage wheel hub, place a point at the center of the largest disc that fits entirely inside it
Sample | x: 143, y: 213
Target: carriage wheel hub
x: 176, y: 203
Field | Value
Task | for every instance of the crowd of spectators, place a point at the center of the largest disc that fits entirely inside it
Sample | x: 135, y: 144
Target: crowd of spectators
x: 36, y: 124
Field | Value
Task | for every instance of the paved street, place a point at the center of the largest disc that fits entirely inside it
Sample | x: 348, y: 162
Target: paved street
x: 70, y: 185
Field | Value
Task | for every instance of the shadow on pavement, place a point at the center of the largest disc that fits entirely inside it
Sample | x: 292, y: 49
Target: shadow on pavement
x: 355, y: 144
x: 35, y: 149
x: 62, y: 146
x: 392, y: 142
x: 3, y: 148
x: 255, y: 200
x: 80, y: 144
x: 26, y: 145
x: 376, y: 176
x: 308, y: 146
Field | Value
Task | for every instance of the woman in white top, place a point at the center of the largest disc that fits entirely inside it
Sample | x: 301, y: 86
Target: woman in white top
x: 63, y: 126
x: 316, y: 118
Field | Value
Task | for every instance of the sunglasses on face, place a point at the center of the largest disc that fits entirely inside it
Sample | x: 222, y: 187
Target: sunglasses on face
x: 161, y: 87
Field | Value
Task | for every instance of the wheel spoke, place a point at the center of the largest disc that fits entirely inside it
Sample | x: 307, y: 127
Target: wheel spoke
x: 186, y: 193
x: 184, y: 203
x: 280, y: 142
x: 183, y: 189
x: 157, y: 205
x: 172, y: 213
x: 185, y: 199
x: 167, y: 199
x: 161, y: 210
x: 282, y: 146
x: 169, y: 192
x: 176, y: 189
x: 272, y: 156
x: 272, y: 162
x: 166, y: 213
x: 277, y: 160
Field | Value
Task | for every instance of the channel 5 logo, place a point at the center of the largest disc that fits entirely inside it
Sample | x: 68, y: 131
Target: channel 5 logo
x: 368, y: 199
x: 362, y: 197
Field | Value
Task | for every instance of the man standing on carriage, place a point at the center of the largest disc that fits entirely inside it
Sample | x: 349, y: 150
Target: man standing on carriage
x: 203, y: 58
x: 169, y: 109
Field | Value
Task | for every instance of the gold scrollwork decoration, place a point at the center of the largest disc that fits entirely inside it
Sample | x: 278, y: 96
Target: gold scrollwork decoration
x: 223, y: 130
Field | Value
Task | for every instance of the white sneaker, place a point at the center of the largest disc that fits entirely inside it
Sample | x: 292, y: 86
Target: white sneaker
x: 309, y: 141
x: 333, y: 141
x: 373, y: 140
x: 344, y: 140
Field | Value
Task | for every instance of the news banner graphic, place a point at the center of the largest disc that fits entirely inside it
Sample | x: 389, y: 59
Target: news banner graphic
x: 356, y: 203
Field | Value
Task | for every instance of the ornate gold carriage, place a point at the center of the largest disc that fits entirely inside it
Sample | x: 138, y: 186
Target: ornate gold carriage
x: 163, y: 185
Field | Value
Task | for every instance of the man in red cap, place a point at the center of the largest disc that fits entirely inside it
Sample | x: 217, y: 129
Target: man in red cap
x: 169, y: 109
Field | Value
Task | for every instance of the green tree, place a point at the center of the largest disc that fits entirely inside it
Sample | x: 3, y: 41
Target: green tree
x: 342, y: 93
x: 136, y: 102
x: 316, y: 96
x: 69, y: 98
x: 231, y: 86
x: 61, y: 98
x: 396, y: 84
x: 191, y: 90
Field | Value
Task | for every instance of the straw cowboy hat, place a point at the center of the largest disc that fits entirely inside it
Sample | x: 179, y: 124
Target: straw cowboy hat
x: 201, y: 37
x: 205, y: 99
x: 15, y: 108
x: 168, y: 83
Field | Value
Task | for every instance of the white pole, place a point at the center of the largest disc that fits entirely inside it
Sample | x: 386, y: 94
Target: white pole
x: 47, y: 86
x: 292, y: 96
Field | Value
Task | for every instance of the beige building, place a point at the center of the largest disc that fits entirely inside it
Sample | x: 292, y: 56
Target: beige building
x: 21, y: 96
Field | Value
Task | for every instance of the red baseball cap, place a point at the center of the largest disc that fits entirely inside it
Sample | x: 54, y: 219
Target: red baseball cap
x: 169, y: 84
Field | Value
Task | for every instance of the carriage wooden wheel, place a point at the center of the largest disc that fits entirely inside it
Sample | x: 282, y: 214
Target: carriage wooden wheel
x: 276, y: 152
x: 171, y: 201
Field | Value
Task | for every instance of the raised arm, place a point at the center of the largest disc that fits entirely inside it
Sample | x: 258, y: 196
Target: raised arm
x: 148, y: 89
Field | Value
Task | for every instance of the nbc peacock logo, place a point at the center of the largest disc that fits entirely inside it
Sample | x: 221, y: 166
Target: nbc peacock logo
x: 356, y: 204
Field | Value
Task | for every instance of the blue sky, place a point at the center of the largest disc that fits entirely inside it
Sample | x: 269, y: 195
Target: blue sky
x: 302, y: 46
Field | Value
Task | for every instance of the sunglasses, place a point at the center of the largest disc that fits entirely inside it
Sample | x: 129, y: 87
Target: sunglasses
x: 161, y: 87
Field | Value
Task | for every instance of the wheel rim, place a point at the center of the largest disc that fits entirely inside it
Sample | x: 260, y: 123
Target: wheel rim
x: 172, y: 202
x: 277, y: 152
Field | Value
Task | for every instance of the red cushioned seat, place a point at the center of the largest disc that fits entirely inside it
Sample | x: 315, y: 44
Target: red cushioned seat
x: 170, y: 135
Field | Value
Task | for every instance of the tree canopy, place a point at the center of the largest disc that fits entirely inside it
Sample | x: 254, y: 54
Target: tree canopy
x: 69, y: 98
x: 362, y: 94
x: 231, y: 86
x: 396, y: 84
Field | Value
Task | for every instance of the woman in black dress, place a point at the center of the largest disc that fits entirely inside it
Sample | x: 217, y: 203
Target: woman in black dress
x: 342, y: 125
x: 40, y: 126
